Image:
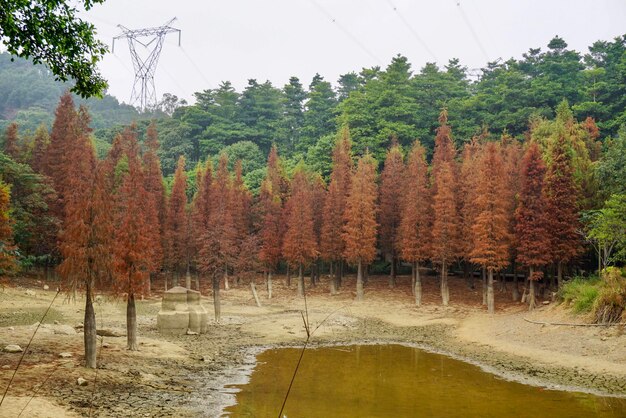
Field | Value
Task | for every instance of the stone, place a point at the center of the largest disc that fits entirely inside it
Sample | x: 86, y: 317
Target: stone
x: 56, y: 322
x: 46, y: 287
x: 81, y: 382
x: 30, y: 292
x: 64, y: 330
x: 65, y: 355
x: 546, y: 302
x: 181, y: 312
x: 13, y: 348
x: 10, y: 328
x: 106, y: 345
x: 190, y: 332
x: 6, y: 366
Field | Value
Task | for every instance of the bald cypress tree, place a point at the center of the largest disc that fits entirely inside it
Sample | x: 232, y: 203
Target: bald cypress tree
x: 176, y: 229
x: 331, y: 241
x: 446, y: 245
x: 359, y: 231
x: 300, y: 243
x: 490, y: 229
x: 391, y: 191
x: 532, y: 239
x: 414, y: 237
x: 7, y: 247
x: 11, y: 142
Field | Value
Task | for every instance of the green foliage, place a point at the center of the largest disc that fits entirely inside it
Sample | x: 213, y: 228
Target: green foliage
x: 607, y: 227
x: 610, y: 305
x: 580, y: 293
x: 50, y: 32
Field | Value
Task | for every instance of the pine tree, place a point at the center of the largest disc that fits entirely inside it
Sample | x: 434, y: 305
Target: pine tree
x: 359, y: 230
x: 391, y: 191
x: 416, y: 217
x: 533, y: 241
x: 299, y: 244
x: 447, y: 223
x: 561, y: 196
x: 176, y: 229
x: 11, y: 142
x: 490, y: 231
x: 87, y: 228
x: 331, y: 241
x: 134, y: 246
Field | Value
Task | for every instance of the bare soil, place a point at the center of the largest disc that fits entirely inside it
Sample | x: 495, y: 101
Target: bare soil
x: 186, y: 375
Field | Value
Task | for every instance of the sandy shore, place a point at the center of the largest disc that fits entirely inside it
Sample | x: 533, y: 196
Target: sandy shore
x: 186, y: 375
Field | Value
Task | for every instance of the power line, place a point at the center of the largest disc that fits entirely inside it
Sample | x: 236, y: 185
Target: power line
x: 346, y: 32
x: 412, y: 31
x: 472, y: 31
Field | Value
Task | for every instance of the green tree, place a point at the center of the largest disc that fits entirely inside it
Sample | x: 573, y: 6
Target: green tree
x: 50, y: 32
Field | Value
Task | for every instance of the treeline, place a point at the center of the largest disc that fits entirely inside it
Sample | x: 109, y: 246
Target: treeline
x: 301, y: 118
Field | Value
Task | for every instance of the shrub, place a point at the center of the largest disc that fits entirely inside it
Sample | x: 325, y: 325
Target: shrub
x: 610, y: 305
x: 581, y: 293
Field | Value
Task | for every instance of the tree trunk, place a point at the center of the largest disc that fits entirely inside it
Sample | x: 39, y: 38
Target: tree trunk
x: 254, y: 294
x: 532, y: 301
x: 392, y: 275
x: 188, y: 278
x: 559, y: 274
x: 90, y: 330
x: 359, y: 281
x: 418, y: 284
x: 131, y: 323
x: 197, y: 278
x: 490, y: 297
x: 313, y: 273
x: 515, y: 294
x: 333, y: 278
x: 269, y: 284
x: 341, y: 272
x: 484, y: 280
x: 413, y: 279
x: 445, y: 291
x: 226, y: 285
x: 300, y: 281
x: 469, y: 275
x: 366, y: 274
x: 216, y: 297
x: 165, y: 282
x: 288, y: 277
x: 150, y: 277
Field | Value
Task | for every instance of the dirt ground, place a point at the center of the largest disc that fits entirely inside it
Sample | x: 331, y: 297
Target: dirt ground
x: 189, y: 375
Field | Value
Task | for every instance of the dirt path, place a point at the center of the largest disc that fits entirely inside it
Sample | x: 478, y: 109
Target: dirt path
x: 185, y: 375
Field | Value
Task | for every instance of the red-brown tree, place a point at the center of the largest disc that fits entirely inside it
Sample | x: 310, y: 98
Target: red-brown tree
x: 416, y: 217
x: 331, y: 241
x: 561, y: 196
x: 217, y: 248
x: 359, y: 230
x: 41, y: 141
x: 533, y: 241
x: 447, y: 223
x: 87, y: 228
x: 467, y: 209
x: 153, y: 184
x: 176, y: 225
x: 133, y: 251
x: 490, y: 231
x: 11, y: 142
x: 300, y: 244
x: 7, y: 248
x: 391, y: 191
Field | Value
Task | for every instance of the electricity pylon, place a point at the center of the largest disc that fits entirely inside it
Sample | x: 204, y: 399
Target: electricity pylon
x: 144, y: 92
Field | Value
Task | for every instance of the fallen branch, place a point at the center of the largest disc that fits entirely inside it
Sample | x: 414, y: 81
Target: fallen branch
x: 571, y: 324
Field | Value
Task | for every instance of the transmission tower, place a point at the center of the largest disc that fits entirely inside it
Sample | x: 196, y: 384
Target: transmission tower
x: 144, y: 92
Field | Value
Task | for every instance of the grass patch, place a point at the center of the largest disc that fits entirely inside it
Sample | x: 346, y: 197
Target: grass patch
x: 581, y: 293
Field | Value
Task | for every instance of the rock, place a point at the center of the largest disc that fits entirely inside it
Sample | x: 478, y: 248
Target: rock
x: 81, y: 382
x: 546, y: 302
x: 190, y: 332
x: 13, y: 348
x: 181, y: 312
x: 106, y: 345
x: 69, y: 365
x: 30, y: 292
x: 56, y: 322
x: 110, y: 332
x: 64, y: 330
x: 79, y: 326
x: 6, y: 366
x: 604, y: 338
x: 10, y: 328
x: 46, y: 287
x: 65, y: 355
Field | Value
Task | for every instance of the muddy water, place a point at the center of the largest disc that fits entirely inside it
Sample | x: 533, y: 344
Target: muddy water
x: 399, y: 381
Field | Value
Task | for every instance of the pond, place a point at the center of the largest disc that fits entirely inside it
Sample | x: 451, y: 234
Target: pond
x: 399, y: 381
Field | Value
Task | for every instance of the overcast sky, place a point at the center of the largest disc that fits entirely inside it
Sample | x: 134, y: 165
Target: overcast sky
x: 274, y: 39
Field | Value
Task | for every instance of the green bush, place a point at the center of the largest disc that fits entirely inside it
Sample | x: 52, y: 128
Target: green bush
x: 610, y: 304
x: 581, y: 293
